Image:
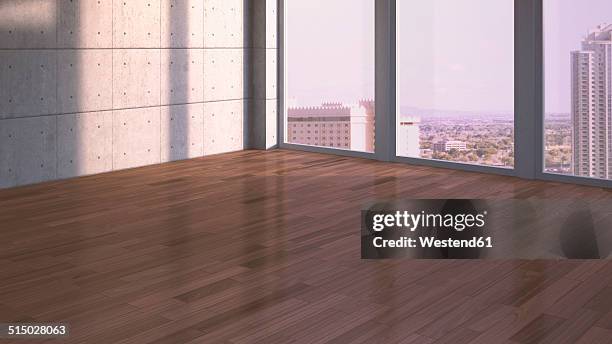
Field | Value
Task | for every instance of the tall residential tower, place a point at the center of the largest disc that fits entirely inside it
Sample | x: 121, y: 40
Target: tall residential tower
x: 592, y: 104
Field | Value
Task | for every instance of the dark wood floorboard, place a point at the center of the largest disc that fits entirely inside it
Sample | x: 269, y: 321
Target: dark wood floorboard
x: 263, y: 247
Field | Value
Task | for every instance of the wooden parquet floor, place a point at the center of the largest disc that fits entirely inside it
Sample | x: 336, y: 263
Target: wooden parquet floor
x: 263, y: 247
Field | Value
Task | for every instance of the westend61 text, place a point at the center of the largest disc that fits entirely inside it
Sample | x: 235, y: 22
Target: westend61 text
x: 432, y: 242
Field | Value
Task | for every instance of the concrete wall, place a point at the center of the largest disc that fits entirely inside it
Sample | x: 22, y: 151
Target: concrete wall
x: 94, y: 86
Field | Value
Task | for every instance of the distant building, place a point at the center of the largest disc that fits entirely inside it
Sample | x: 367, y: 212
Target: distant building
x: 592, y: 105
x: 408, y: 136
x: 447, y: 146
x: 333, y: 125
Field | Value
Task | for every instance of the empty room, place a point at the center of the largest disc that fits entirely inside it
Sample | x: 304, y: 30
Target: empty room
x: 306, y: 171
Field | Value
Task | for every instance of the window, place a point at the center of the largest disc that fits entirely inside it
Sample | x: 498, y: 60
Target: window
x: 329, y: 66
x: 578, y: 88
x: 456, y: 81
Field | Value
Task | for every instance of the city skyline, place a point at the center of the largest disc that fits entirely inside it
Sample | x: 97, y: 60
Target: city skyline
x: 455, y: 71
x: 341, y: 126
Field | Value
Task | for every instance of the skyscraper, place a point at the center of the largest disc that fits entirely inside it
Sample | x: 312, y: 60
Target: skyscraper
x: 592, y: 104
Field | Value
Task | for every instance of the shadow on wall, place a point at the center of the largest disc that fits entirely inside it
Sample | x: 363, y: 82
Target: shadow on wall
x: 177, y: 143
x: 27, y: 91
x: 94, y: 86
x: 71, y: 145
x: 54, y: 72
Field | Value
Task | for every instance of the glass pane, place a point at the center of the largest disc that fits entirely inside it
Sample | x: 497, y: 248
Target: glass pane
x: 329, y: 56
x: 456, y: 81
x: 578, y: 87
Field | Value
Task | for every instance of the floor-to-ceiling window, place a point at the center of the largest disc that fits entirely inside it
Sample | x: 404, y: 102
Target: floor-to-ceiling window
x: 329, y: 73
x: 578, y: 88
x: 456, y: 81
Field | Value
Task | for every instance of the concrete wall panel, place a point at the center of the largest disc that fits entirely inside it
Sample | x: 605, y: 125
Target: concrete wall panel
x: 28, y: 24
x: 258, y: 73
x: 263, y: 134
x: 271, y: 123
x: 182, y: 76
x: 182, y: 24
x: 271, y: 73
x: 85, y: 24
x: 223, y: 127
x: 257, y: 124
x: 257, y: 35
x: 264, y: 24
x: 182, y: 130
x: 84, y: 76
x: 27, y: 83
x: 264, y: 73
x: 27, y: 150
x: 136, y: 74
x: 136, y: 23
x: 271, y: 24
x: 223, y: 74
x: 223, y: 23
x: 136, y: 137
x: 84, y: 143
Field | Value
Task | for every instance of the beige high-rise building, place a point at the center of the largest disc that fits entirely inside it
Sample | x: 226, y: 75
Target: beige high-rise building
x: 592, y: 104
x: 333, y: 125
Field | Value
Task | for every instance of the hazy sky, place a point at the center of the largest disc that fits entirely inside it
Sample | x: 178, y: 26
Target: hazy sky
x: 448, y: 52
x: 330, y: 50
x: 566, y: 22
x: 454, y: 55
x: 457, y: 55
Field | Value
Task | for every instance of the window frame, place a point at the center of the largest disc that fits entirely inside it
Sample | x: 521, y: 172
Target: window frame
x: 282, y: 95
x: 529, y: 135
